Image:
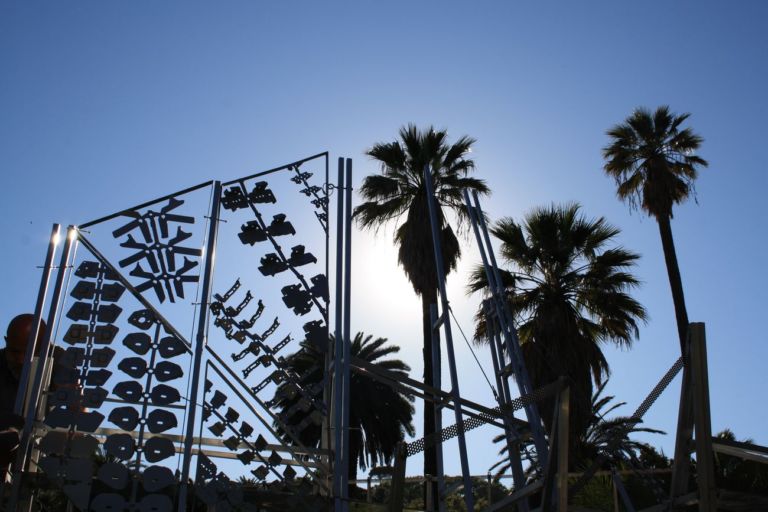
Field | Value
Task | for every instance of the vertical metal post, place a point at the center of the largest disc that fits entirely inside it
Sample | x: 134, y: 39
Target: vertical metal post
x: 346, y: 404
x: 437, y: 383
x: 704, y: 457
x: 18, y: 407
x: 455, y: 394
x: 398, y: 478
x: 338, y: 352
x: 201, y: 340
x: 37, y: 380
x: 505, y: 320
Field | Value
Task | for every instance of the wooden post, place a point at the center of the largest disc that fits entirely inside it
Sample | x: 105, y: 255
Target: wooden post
x: 705, y: 475
x: 398, y: 479
x: 684, y: 435
x: 562, y: 449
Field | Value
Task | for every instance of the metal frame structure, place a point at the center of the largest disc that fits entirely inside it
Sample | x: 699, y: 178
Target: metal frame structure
x: 62, y: 429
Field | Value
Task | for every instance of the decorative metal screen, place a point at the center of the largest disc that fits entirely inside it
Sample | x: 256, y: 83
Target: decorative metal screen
x: 113, y: 420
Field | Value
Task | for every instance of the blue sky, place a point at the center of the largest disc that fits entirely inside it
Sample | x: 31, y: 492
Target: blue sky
x: 107, y: 104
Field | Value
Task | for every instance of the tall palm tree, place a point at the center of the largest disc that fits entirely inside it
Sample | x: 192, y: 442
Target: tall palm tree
x: 655, y: 165
x: 379, y: 415
x: 568, y: 292
x: 398, y: 194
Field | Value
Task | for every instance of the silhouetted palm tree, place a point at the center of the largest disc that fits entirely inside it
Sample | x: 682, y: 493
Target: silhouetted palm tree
x: 602, y: 436
x: 379, y: 415
x: 399, y: 191
x: 655, y: 165
x: 568, y: 291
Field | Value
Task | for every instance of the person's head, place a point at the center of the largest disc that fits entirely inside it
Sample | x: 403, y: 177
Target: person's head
x: 16, y: 338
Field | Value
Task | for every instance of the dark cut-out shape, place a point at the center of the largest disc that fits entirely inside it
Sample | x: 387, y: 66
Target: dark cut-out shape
x: 245, y: 430
x: 233, y: 199
x: 297, y: 298
x: 142, y: 319
x: 232, y: 442
x: 135, y: 367
x: 280, y: 227
x: 261, y: 193
x: 232, y: 415
x: 218, y: 428
x: 289, y: 473
x: 93, y: 397
x: 101, y: 357
x: 89, y: 421
x: 108, y: 502
x: 319, y: 287
x: 246, y: 457
x: 97, y: 377
x: 156, y: 478
x: 138, y: 342
x: 114, y: 475
x: 54, y: 443
x: 156, y: 503
x: 59, y: 418
x: 83, y: 446
x: 78, y: 494
x: 171, y: 346
x: 53, y: 468
x: 120, y: 446
x: 161, y: 420
x: 166, y: 370
x: 125, y: 417
x: 163, y: 394
x: 157, y: 449
x: 316, y: 334
x: 63, y: 376
x: 84, y: 290
x: 261, y: 472
x: 129, y: 390
x: 218, y: 399
x: 112, y: 292
x: 275, y: 458
x: 73, y: 356
x: 65, y: 397
x: 300, y: 257
x: 105, y: 334
x: 87, y: 269
x: 76, y: 333
x: 260, y: 443
x: 271, y: 264
x: 79, y: 470
x: 251, y: 232
x: 108, y: 313
x: 80, y: 311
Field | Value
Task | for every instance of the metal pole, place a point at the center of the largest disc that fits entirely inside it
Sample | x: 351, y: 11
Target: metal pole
x: 436, y: 383
x: 339, y: 343
x: 564, y: 407
x: 31, y: 409
x: 505, y: 320
x: 346, y: 404
x: 200, y: 341
x: 18, y: 407
x: 468, y: 497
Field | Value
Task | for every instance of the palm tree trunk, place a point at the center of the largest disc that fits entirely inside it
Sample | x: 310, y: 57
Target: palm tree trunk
x: 675, y: 282
x: 430, y: 453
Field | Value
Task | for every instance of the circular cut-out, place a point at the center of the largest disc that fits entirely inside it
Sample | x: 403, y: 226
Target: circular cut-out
x: 120, y: 446
x: 157, y: 449
x: 108, y: 502
x: 155, y: 478
x: 161, y: 420
x: 125, y: 417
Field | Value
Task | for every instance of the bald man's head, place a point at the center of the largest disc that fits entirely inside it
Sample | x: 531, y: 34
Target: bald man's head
x: 16, y: 338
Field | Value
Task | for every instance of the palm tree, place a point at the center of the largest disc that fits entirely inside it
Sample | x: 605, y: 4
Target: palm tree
x: 569, y: 295
x: 654, y: 164
x: 398, y: 194
x: 603, y: 436
x: 379, y: 415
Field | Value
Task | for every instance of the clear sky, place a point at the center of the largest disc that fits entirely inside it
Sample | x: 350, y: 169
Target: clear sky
x: 106, y: 104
